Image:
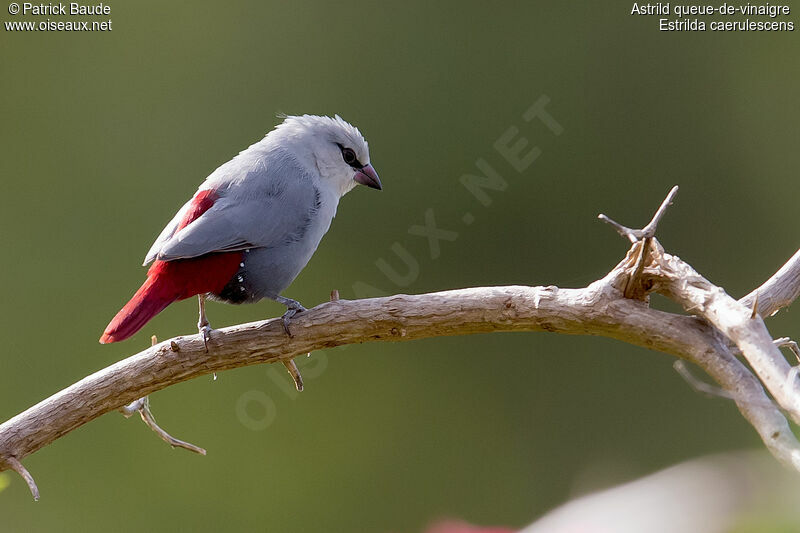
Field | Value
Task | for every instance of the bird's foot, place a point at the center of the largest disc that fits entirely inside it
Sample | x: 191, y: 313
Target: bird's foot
x: 203, y: 327
x: 292, y: 308
x: 205, y: 332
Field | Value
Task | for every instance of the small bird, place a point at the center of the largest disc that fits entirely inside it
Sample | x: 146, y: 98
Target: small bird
x: 253, y: 224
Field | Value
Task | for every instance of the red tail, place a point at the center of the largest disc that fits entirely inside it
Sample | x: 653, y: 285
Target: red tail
x: 168, y: 282
x: 174, y: 280
x: 151, y: 298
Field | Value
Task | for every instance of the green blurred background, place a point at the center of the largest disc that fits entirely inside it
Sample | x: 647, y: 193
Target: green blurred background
x: 105, y: 135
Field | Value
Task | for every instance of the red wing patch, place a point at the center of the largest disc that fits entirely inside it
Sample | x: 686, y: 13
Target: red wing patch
x: 198, y: 275
x: 201, y: 203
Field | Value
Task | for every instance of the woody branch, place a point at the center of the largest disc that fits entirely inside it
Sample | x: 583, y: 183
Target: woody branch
x: 715, y: 331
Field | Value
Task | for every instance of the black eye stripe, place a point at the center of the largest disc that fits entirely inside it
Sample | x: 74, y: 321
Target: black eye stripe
x: 349, y: 157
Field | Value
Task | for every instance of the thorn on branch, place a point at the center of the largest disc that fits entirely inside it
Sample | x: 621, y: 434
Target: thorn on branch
x: 754, y: 314
x: 17, y: 467
x: 295, y: 373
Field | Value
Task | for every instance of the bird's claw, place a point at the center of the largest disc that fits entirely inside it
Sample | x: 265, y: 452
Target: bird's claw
x: 287, y: 316
x: 292, y: 308
x: 205, y: 333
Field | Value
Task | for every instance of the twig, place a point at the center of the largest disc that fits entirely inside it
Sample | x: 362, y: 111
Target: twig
x: 786, y: 342
x: 739, y: 384
x: 20, y: 469
x: 142, y: 406
x: 633, y: 286
x: 698, y: 384
x: 149, y: 419
x: 649, y: 231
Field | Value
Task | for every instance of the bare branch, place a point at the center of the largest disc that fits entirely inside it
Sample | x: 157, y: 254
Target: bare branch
x: 683, y: 284
x: 739, y: 385
x: 777, y: 292
x: 615, y: 307
x: 150, y: 420
x: 595, y: 310
x: 142, y: 406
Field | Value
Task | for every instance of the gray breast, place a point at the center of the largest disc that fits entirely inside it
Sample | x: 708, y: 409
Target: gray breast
x: 265, y: 272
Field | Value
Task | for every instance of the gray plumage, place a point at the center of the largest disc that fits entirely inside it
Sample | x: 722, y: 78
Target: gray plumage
x: 275, y: 202
x: 266, y: 209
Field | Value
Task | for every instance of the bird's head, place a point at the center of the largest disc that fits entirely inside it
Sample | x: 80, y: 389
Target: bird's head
x: 332, y: 147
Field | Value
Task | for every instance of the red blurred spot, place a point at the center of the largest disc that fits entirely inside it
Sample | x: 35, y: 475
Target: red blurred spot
x: 463, y: 527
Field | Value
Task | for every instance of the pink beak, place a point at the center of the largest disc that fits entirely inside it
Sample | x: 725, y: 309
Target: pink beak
x: 366, y: 175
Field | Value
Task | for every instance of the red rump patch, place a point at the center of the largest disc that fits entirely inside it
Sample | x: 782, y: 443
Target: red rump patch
x: 169, y: 281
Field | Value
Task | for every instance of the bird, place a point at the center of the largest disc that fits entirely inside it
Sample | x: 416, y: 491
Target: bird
x: 253, y: 224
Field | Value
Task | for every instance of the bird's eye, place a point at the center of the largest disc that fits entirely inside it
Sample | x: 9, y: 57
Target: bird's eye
x: 349, y: 156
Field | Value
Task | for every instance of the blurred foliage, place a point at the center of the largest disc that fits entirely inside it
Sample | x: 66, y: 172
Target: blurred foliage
x: 105, y: 135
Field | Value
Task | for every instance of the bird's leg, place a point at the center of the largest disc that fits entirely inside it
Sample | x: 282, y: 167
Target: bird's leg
x: 292, y: 308
x: 202, y: 324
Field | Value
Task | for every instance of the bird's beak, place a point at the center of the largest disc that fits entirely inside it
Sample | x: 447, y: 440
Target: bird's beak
x: 367, y: 176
